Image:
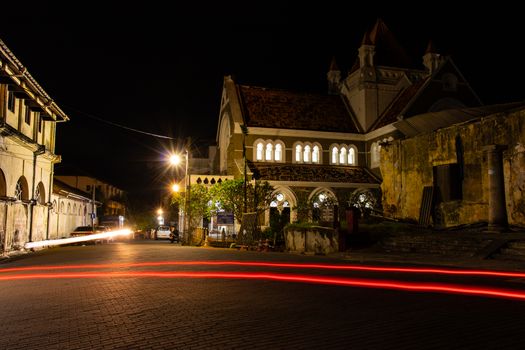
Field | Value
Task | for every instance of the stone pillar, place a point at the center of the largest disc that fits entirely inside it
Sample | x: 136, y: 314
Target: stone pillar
x: 497, y: 205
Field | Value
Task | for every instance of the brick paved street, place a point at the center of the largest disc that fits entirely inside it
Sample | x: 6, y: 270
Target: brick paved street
x: 188, y: 313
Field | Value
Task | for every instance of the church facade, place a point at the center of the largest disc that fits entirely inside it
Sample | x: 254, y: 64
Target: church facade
x: 325, y: 148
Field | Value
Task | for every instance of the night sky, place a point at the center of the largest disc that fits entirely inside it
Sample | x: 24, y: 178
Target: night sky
x: 160, y: 68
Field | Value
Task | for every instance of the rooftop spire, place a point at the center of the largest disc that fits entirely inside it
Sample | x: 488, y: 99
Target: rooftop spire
x: 431, y: 48
x: 366, y: 39
x: 333, y: 65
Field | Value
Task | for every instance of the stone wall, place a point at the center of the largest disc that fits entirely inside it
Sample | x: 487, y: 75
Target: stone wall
x: 318, y: 240
x: 407, y: 166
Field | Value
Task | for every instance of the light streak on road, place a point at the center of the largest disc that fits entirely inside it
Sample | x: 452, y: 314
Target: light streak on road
x: 368, y: 268
x: 349, y: 282
x: 54, y: 242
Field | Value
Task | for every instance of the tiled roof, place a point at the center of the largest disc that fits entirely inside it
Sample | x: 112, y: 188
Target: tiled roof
x: 312, y: 173
x: 391, y: 113
x: 272, y: 108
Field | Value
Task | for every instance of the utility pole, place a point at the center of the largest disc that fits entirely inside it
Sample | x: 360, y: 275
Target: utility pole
x: 244, y: 133
x: 93, y: 213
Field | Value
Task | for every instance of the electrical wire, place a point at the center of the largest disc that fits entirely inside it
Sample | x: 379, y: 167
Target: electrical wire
x: 119, y: 125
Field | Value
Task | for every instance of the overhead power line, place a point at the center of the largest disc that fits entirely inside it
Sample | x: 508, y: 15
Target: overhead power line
x: 119, y: 125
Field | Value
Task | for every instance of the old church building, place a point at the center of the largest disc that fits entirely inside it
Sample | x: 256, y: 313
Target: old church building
x: 325, y: 148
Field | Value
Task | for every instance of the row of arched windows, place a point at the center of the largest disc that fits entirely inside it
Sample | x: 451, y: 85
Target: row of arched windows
x: 81, y: 210
x: 21, y: 191
x: 304, y: 152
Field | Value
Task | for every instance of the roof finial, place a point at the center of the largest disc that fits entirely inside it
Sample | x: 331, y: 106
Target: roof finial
x: 333, y: 65
x: 430, y: 47
x: 366, y: 39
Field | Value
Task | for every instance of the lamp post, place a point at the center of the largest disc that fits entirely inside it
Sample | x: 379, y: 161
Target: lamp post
x: 175, y: 159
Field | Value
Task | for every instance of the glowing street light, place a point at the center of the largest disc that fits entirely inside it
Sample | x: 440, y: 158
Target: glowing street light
x: 176, y: 159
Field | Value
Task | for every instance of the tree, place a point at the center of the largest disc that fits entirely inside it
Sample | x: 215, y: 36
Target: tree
x: 230, y: 195
x: 198, y: 203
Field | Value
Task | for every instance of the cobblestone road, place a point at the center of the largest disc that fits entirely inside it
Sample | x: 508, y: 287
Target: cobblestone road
x: 207, y: 313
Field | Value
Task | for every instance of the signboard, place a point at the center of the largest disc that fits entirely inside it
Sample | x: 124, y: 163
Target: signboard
x: 225, y: 218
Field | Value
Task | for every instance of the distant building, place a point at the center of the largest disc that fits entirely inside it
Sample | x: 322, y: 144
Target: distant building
x: 70, y: 208
x: 28, y: 117
x: 111, y: 197
x: 325, y: 148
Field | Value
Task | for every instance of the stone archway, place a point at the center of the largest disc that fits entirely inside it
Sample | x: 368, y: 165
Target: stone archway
x: 324, y: 205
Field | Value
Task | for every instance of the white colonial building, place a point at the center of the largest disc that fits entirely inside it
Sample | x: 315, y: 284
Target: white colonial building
x: 28, y: 117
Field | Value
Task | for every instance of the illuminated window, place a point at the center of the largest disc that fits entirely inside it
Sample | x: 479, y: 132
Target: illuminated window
x: 298, y: 153
x: 260, y: 148
x: 269, y: 151
x: 335, y: 153
x: 342, y: 156
x: 278, y: 152
x: 351, y: 156
x: 306, y: 157
x: 315, y: 154
x: 375, y: 149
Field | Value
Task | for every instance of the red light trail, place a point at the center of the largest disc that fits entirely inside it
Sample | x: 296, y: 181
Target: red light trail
x: 350, y: 282
x: 276, y: 265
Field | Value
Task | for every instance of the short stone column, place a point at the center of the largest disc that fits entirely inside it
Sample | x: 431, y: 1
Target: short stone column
x: 497, y: 205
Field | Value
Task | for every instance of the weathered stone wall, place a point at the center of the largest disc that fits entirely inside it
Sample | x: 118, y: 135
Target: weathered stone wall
x: 407, y: 166
x: 318, y: 240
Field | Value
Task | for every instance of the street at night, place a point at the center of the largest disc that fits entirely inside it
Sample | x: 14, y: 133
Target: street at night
x: 149, y: 295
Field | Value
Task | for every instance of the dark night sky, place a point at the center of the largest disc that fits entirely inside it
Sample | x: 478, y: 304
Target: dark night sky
x: 160, y: 68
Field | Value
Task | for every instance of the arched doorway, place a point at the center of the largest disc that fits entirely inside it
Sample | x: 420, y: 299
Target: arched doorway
x: 324, y: 206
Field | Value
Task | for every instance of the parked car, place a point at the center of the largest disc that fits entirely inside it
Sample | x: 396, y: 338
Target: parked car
x: 88, y: 230
x: 162, y: 232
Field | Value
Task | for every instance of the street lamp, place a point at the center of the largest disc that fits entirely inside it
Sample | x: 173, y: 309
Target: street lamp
x: 176, y: 159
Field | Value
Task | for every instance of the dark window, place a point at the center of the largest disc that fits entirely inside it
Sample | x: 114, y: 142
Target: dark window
x: 11, y: 101
x: 88, y: 188
x: 449, y: 183
x: 38, y: 119
x: 27, y: 118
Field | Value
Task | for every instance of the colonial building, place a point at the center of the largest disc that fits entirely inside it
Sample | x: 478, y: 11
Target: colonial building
x: 325, y: 148
x: 110, y: 196
x: 473, y: 171
x: 70, y: 208
x: 28, y: 117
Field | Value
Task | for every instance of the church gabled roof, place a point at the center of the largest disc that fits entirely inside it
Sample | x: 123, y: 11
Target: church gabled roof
x: 282, y: 109
x: 399, y: 103
x: 388, y: 51
x: 312, y: 173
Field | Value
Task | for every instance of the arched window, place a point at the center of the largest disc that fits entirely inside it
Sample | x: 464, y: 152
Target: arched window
x: 315, y: 154
x: 375, y: 149
x: 62, y: 208
x: 278, y: 152
x: 260, y: 149
x: 298, y: 153
x: 40, y: 193
x: 335, y: 153
x: 306, y: 154
x: 3, y: 185
x: 21, y: 189
x: 269, y: 151
x: 69, y: 208
x: 351, y: 156
x: 342, y: 156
